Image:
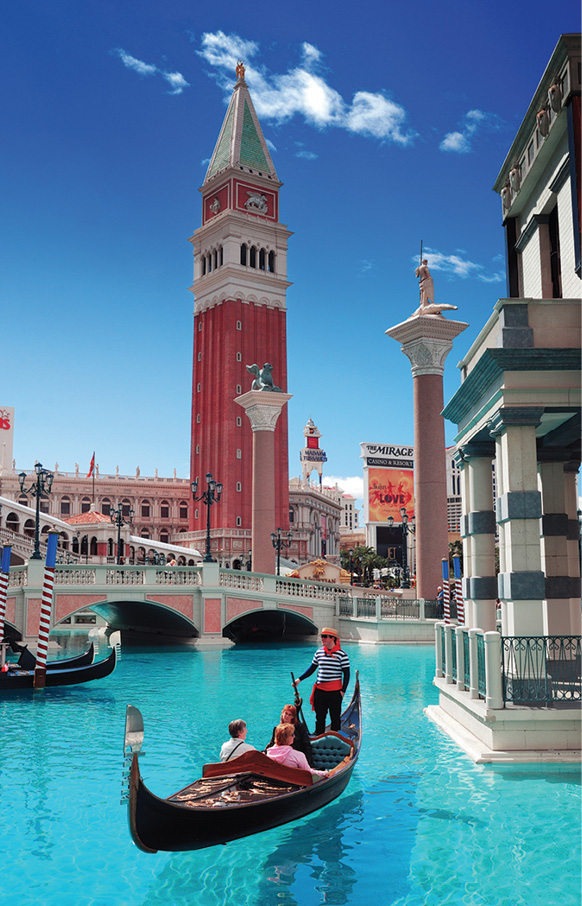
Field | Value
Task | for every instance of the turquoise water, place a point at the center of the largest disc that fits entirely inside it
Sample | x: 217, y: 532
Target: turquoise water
x: 419, y: 823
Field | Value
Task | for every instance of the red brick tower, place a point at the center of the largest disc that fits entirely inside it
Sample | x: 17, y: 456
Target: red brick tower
x: 240, y: 283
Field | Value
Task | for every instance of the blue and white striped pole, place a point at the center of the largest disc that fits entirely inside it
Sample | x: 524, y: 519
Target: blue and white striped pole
x: 459, y: 590
x: 446, y: 591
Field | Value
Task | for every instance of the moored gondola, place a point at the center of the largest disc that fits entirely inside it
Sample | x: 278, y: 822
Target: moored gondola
x: 15, y: 678
x: 27, y: 660
x: 245, y: 796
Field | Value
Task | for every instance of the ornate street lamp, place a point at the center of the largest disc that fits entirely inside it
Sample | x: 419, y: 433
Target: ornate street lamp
x: 40, y: 488
x: 351, y: 553
x: 208, y: 497
x: 117, y: 518
x: 278, y: 543
x: 408, y: 528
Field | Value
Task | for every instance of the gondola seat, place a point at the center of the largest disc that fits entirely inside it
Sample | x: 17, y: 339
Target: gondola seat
x: 330, y: 750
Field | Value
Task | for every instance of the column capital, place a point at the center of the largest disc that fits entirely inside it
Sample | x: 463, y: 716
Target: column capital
x: 476, y: 449
x: 514, y: 416
x: 426, y: 340
x: 263, y: 407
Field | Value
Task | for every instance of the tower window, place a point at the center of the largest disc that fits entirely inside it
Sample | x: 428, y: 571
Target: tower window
x: 196, y: 513
x: 238, y: 421
x: 198, y: 388
x: 199, y: 326
x: 238, y: 520
x: 555, y: 267
x: 209, y: 262
x: 253, y: 257
x: 238, y: 388
x: 243, y: 254
x: 238, y: 453
x: 203, y: 265
x: 272, y: 262
x: 197, y: 449
x: 262, y: 260
x: 238, y: 486
x: 198, y: 419
x: 221, y: 252
x: 238, y: 357
x: 215, y: 258
x: 239, y: 325
x: 199, y: 356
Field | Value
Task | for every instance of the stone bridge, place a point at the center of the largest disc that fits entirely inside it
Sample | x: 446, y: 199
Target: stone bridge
x: 208, y: 604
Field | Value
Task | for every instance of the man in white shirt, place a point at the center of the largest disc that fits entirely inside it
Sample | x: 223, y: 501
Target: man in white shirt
x: 236, y: 745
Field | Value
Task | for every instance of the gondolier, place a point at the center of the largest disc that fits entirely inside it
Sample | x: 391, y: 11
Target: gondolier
x: 333, y: 677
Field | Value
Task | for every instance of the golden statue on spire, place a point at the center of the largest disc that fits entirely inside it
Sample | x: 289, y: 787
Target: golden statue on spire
x: 240, y: 70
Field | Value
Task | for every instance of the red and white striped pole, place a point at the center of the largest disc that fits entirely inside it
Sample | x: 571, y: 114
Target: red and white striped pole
x: 45, y: 611
x: 459, y: 590
x: 446, y: 591
x: 4, y: 570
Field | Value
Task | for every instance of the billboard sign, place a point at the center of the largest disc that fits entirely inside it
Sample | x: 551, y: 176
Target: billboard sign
x: 388, y: 490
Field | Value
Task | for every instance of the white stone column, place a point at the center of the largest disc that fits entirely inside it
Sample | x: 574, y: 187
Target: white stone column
x: 554, y: 544
x: 571, y: 470
x: 473, y: 663
x: 478, y: 531
x: 494, y: 694
x: 521, y: 580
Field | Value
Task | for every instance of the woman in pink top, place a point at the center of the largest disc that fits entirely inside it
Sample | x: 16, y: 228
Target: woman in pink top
x: 283, y: 752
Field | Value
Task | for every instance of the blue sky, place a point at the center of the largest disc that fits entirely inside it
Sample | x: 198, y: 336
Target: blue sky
x: 387, y: 123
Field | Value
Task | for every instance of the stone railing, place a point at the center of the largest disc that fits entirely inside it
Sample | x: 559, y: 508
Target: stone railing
x: 17, y: 577
x: 236, y: 579
x: 298, y: 588
x: 178, y: 576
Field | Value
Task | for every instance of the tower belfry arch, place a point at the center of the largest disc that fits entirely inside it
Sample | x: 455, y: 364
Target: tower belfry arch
x: 240, y: 284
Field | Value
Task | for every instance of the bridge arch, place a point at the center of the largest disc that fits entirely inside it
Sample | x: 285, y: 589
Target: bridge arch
x: 269, y: 625
x: 141, y: 620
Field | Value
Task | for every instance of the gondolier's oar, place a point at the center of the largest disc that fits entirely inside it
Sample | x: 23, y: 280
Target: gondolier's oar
x: 298, y: 702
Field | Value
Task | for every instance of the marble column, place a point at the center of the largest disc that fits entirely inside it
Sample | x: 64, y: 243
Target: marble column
x: 263, y: 409
x: 521, y: 583
x: 560, y: 586
x: 478, y: 532
x: 571, y: 470
x: 427, y: 340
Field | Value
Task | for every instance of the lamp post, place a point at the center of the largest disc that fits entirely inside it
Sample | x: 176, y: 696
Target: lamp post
x: 208, y: 497
x: 278, y: 543
x: 351, y: 553
x: 117, y: 518
x: 40, y: 488
x: 408, y: 528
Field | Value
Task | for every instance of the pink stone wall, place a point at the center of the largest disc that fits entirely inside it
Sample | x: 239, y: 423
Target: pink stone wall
x: 11, y: 609
x: 180, y: 603
x: 212, y: 615
x: 33, y: 616
x: 236, y: 606
x: 67, y: 604
x: 306, y: 611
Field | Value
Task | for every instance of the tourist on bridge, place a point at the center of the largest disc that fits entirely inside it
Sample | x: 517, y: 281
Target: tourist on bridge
x: 236, y: 745
x: 333, y: 677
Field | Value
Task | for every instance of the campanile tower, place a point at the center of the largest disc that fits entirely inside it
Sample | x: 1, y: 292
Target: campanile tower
x: 240, y: 283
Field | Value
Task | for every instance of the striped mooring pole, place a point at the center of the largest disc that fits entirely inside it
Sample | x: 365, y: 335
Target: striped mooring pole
x: 459, y: 590
x: 446, y: 590
x: 45, y: 611
x: 4, y: 570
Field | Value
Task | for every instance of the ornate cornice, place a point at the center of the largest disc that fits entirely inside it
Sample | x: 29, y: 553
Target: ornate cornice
x: 263, y: 408
x: 426, y: 340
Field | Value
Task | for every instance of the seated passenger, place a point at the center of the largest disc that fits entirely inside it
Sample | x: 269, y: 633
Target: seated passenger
x: 301, y: 741
x: 284, y: 753
x: 236, y: 745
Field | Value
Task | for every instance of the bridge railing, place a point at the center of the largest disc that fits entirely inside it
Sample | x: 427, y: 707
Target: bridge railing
x: 125, y: 575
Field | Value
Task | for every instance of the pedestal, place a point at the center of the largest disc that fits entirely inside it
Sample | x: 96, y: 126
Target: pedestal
x: 263, y: 408
x: 427, y: 340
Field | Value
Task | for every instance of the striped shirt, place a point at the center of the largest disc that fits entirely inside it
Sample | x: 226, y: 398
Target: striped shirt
x: 329, y: 667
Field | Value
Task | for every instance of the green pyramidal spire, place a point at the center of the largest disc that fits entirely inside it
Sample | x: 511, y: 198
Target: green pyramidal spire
x: 241, y: 142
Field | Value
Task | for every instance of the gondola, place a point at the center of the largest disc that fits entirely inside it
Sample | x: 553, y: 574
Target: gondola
x: 15, y: 678
x: 27, y: 660
x: 245, y: 796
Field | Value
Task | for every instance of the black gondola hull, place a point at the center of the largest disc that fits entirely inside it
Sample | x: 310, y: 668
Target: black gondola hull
x: 166, y: 825
x: 24, y: 679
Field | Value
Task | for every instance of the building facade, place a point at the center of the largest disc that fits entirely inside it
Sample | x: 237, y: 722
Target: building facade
x: 240, y: 283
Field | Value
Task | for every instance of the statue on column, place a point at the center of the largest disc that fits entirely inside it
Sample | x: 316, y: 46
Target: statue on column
x: 426, y: 285
x: 263, y: 378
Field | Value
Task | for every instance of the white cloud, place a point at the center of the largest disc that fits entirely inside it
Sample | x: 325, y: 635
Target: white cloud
x: 459, y: 267
x: 307, y: 155
x: 270, y: 145
x: 353, y: 485
x: 460, y: 142
x: 303, y: 92
x: 175, y: 79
